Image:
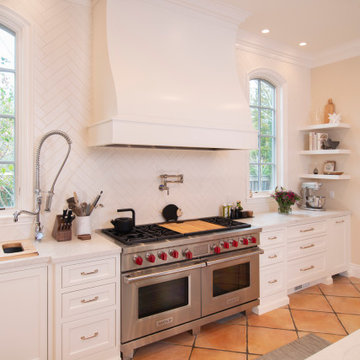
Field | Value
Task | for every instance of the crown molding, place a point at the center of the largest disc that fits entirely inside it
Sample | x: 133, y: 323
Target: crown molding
x: 271, y: 49
x: 339, y: 53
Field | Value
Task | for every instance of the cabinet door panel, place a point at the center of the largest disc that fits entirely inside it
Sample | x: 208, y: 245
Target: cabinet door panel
x: 337, y: 245
x: 23, y: 314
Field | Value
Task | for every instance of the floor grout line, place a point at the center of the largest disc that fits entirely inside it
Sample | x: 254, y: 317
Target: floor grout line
x: 293, y: 320
x: 334, y: 312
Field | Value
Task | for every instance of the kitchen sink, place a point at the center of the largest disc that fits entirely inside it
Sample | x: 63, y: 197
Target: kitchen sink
x: 12, y: 248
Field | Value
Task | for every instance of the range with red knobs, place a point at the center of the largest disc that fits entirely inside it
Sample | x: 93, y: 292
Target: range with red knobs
x: 173, y: 281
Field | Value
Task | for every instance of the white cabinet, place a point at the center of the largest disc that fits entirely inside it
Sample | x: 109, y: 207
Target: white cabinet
x: 23, y: 314
x: 338, y: 246
x: 306, y: 253
x: 273, y: 291
x: 87, y: 309
x: 309, y: 252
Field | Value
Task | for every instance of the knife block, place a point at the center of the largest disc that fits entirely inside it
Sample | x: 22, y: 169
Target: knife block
x: 62, y: 231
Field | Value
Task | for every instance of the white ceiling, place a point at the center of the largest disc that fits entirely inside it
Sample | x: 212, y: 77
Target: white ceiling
x: 325, y: 25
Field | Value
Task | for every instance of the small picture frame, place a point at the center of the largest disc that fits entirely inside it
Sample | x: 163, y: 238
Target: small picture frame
x: 329, y: 167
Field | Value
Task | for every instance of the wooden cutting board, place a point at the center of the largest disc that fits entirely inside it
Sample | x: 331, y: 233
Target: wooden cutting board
x: 191, y: 226
x: 28, y: 250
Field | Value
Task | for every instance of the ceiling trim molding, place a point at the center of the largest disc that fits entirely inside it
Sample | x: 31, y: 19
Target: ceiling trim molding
x: 216, y: 8
x: 271, y: 49
x: 339, y: 53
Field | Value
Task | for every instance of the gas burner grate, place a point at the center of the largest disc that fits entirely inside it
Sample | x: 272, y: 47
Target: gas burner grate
x: 143, y: 234
x: 226, y: 222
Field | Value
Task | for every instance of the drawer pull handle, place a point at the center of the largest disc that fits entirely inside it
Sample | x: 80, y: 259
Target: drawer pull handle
x: 273, y: 281
x: 90, y: 337
x: 309, y: 268
x: 307, y: 230
x: 307, y: 246
x: 272, y: 256
x: 272, y: 238
x: 340, y: 221
x: 90, y: 272
x: 90, y: 300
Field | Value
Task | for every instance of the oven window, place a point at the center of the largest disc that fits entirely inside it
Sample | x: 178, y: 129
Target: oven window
x: 231, y: 279
x: 168, y: 295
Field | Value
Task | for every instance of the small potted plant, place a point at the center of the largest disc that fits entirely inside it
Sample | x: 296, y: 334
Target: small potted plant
x: 285, y: 199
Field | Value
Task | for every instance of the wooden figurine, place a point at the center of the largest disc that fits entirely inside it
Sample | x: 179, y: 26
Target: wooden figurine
x: 329, y: 109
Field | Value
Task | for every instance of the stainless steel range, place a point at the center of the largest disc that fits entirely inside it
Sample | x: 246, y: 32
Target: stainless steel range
x: 179, y: 276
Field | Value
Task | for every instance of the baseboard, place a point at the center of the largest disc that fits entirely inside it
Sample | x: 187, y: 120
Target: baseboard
x: 354, y: 270
x: 270, y: 303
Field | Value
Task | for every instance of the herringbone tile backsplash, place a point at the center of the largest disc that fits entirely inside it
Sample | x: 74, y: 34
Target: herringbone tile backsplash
x: 129, y: 177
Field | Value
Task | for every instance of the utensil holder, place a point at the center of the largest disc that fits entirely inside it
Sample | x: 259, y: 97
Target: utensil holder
x: 62, y: 230
x: 83, y: 227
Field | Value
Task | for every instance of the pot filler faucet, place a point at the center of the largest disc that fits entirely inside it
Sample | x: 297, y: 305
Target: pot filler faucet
x: 38, y: 198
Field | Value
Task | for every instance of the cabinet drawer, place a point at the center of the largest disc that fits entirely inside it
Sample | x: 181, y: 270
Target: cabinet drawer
x: 272, y: 255
x: 272, y: 237
x: 78, y: 302
x: 272, y: 280
x: 306, y: 230
x: 306, y: 247
x: 86, y: 272
x: 306, y: 269
x: 85, y: 337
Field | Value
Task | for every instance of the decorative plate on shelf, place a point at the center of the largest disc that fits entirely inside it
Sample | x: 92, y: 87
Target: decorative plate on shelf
x: 333, y: 172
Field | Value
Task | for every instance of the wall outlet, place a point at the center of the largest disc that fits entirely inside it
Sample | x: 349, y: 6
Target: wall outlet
x: 332, y: 194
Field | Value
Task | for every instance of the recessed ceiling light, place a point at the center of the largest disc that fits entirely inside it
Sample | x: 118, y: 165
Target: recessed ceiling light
x: 265, y: 31
x: 302, y: 44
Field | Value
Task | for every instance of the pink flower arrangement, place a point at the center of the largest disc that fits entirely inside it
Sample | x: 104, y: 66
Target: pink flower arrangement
x: 285, y: 199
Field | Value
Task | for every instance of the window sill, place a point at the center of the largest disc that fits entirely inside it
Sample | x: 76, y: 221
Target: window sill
x: 260, y: 198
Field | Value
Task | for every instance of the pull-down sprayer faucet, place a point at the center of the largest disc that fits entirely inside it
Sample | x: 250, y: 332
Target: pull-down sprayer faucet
x: 38, y: 198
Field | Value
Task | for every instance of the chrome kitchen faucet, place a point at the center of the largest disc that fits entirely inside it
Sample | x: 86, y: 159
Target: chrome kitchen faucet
x: 38, y: 198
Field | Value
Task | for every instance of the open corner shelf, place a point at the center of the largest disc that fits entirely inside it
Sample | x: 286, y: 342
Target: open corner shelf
x: 326, y: 177
x: 326, y: 152
x: 325, y: 127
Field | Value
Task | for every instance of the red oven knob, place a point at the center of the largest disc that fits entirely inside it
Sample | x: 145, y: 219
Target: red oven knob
x: 150, y: 258
x: 226, y: 245
x: 174, y: 254
x: 253, y: 239
x: 235, y: 243
x: 138, y: 260
x: 245, y: 241
x: 188, y: 254
x: 163, y: 256
x: 217, y: 249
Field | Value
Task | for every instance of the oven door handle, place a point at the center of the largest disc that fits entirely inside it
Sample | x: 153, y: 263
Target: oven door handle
x: 129, y: 279
x: 230, y: 258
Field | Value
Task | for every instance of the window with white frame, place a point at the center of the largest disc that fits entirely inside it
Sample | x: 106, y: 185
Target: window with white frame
x: 262, y: 175
x: 7, y: 117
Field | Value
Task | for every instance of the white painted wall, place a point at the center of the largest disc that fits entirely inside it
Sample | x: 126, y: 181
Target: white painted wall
x: 341, y: 82
x: 130, y: 177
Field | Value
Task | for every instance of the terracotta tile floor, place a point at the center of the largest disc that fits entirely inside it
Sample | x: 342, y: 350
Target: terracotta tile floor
x: 329, y: 311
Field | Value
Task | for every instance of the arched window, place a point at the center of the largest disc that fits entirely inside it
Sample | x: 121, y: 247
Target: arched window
x: 7, y: 117
x: 263, y: 112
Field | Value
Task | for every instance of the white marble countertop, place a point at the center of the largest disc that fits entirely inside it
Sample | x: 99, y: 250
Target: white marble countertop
x: 52, y: 251
x: 271, y: 220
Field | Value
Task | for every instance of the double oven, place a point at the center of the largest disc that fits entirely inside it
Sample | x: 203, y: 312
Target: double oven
x: 163, y: 297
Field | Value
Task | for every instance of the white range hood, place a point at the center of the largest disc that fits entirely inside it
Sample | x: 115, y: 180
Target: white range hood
x: 165, y: 75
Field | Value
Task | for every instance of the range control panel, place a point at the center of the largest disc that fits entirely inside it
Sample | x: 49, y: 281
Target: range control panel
x: 168, y: 255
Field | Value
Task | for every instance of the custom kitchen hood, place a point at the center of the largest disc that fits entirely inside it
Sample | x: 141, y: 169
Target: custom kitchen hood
x: 165, y: 75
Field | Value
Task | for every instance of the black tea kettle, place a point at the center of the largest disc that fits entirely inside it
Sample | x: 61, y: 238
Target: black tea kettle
x: 124, y: 225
